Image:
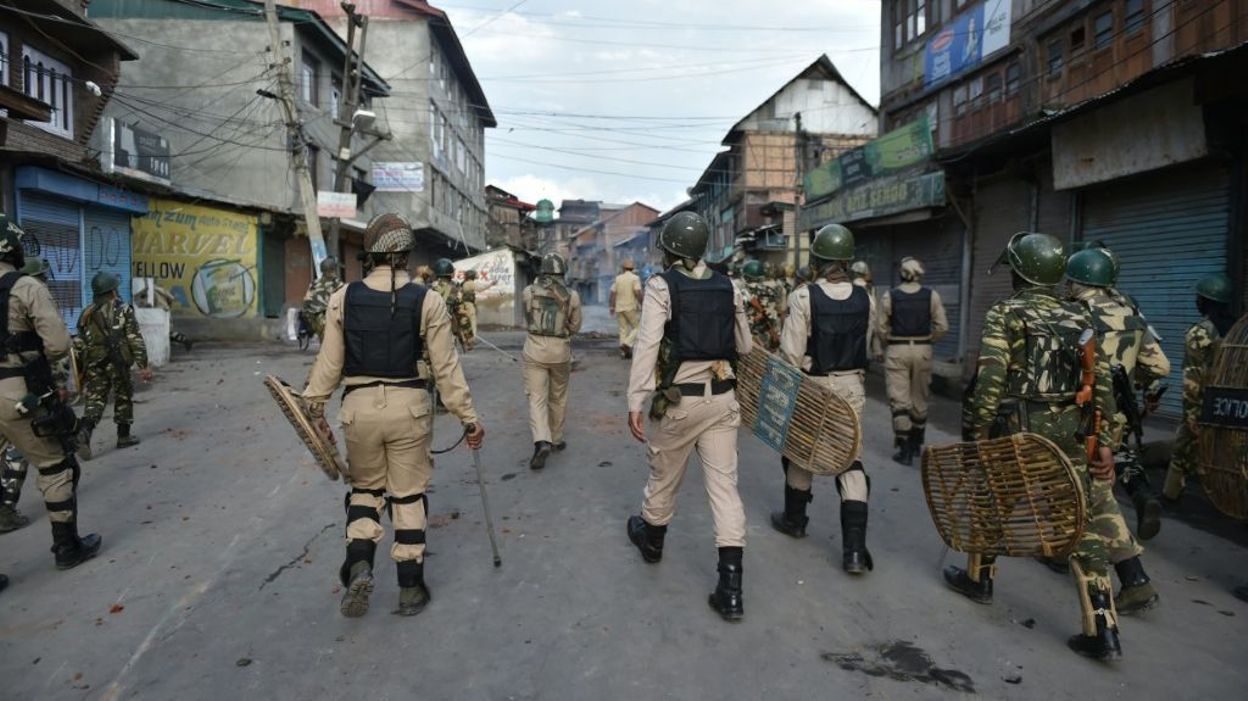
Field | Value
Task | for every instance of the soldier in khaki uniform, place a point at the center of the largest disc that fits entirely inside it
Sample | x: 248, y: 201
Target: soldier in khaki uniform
x: 831, y: 320
x: 375, y: 332
x: 693, y: 326
x: 912, y: 318
x: 32, y: 335
x: 471, y: 287
x: 625, y: 304
x: 553, y: 315
x: 860, y: 275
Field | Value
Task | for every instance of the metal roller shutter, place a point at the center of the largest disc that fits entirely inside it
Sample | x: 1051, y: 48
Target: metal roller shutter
x: 1169, y: 231
x: 1001, y: 210
x: 938, y: 245
x: 53, y: 228
x: 106, y: 247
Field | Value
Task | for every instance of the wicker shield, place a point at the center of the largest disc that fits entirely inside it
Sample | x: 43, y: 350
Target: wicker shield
x: 1222, y: 446
x: 294, y: 408
x: 1017, y: 496
x: 797, y: 417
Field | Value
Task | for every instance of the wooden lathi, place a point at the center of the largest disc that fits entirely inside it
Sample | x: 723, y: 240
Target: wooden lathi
x: 1222, y: 445
x: 802, y: 420
x: 1017, y: 496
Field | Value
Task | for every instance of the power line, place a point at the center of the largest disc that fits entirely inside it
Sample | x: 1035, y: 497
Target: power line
x: 616, y: 21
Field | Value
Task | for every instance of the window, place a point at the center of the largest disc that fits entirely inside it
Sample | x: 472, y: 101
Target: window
x: 314, y: 165
x: 992, y: 86
x: 50, y: 81
x: 335, y: 95
x: 4, y: 58
x: 977, y: 93
x: 1103, y: 29
x: 1013, y: 73
x: 959, y: 100
x: 309, y: 79
x: 1055, y: 57
x: 1133, y: 16
x: 1077, y: 38
x: 909, y: 20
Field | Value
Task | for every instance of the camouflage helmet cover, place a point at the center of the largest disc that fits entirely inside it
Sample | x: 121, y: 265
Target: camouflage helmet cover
x: 753, y: 270
x: 912, y: 268
x: 1217, y: 288
x: 685, y: 236
x: 553, y: 264
x: 10, y: 235
x: 833, y: 242
x: 444, y: 268
x: 1039, y: 259
x: 388, y: 233
x: 104, y: 282
x: 1091, y: 266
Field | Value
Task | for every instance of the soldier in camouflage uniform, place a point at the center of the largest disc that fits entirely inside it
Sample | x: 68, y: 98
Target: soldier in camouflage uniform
x: 1129, y: 342
x: 451, y: 295
x: 762, y: 304
x: 1214, y: 294
x: 111, y: 344
x: 1029, y: 373
x: 317, y: 298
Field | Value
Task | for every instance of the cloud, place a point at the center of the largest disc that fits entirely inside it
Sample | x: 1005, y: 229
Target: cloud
x: 503, y: 40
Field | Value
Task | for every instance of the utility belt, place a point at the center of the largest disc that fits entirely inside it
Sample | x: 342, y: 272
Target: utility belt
x: 1021, y: 408
x: 699, y: 389
x: 909, y: 341
x: 834, y: 373
x: 406, y: 384
x: 6, y: 373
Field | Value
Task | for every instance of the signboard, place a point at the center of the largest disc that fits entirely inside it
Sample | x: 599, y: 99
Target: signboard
x: 965, y: 42
x: 335, y: 204
x: 903, y: 147
x: 1226, y: 407
x: 777, y: 398
x: 205, y: 257
x: 395, y: 176
x: 138, y: 153
x: 878, y: 198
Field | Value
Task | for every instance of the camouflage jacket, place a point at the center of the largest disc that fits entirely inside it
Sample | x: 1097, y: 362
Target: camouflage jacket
x: 762, y: 306
x: 1028, y: 372
x: 109, y: 331
x: 1125, y: 336
x: 1200, y: 344
x: 316, y: 301
x: 452, y: 295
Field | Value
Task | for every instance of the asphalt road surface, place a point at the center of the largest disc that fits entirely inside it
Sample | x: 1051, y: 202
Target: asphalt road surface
x: 218, y: 577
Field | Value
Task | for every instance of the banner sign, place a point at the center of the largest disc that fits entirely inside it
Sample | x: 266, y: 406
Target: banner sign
x: 335, y: 204
x: 777, y: 398
x: 965, y: 42
x: 393, y: 176
x: 878, y: 198
x: 901, y: 148
x: 138, y: 153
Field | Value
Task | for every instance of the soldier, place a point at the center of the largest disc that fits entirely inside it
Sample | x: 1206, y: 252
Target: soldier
x: 912, y: 318
x: 111, y: 344
x: 789, y: 278
x: 162, y: 299
x: 444, y: 285
x: 1214, y: 294
x: 831, y: 320
x: 693, y: 326
x: 1129, y: 343
x: 468, y: 293
x: 801, y: 278
x: 1029, y: 373
x: 33, y: 335
x: 424, y: 275
x: 317, y: 297
x: 763, y: 306
x: 625, y: 305
x: 375, y: 332
x: 553, y: 315
x: 860, y: 273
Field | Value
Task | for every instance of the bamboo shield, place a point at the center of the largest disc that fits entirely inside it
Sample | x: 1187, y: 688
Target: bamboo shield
x: 295, y: 410
x: 1222, y: 444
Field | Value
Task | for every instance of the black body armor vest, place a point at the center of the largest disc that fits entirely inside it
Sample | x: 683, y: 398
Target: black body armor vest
x: 703, y: 323
x: 838, y: 331
x: 380, y: 344
x: 912, y: 313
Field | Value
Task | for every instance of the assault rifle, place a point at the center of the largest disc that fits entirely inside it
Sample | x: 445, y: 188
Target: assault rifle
x: 57, y: 420
x: 1090, y: 423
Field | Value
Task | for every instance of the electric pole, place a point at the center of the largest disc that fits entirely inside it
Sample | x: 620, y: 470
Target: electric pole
x: 799, y: 190
x: 294, y: 130
x: 348, y: 102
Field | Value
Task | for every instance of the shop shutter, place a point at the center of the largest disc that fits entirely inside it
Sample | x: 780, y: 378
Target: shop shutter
x: 1001, y: 210
x: 106, y: 247
x: 1169, y: 230
x: 938, y: 245
x: 53, y: 229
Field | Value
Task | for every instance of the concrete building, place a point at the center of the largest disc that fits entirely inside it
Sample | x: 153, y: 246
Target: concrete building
x: 509, y: 222
x: 597, y: 250
x: 1113, y: 120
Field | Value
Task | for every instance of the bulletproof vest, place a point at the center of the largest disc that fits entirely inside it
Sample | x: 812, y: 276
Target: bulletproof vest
x: 838, y: 331
x: 1120, y: 331
x: 1051, y: 370
x: 14, y: 342
x: 548, y: 310
x: 703, y: 322
x: 912, y: 313
x: 380, y: 343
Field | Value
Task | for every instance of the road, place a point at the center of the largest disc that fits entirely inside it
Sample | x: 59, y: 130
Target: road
x: 222, y: 544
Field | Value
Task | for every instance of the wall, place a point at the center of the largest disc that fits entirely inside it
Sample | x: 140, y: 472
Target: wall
x: 497, y: 305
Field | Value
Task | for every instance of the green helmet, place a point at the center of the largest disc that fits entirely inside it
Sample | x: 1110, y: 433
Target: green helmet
x: 1216, y: 288
x: 1037, y: 258
x: 1091, y: 266
x: 388, y: 233
x: 104, y: 282
x: 833, y: 242
x: 754, y: 270
x: 36, y: 267
x: 685, y: 235
x: 444, y: 268
x: 470, y: 275
x: 553, y: 264
x: 10, y: 235
x: 329, y: 265
x: 802, y: 274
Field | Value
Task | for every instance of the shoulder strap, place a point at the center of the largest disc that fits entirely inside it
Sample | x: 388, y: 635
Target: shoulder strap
x: 6, y: 286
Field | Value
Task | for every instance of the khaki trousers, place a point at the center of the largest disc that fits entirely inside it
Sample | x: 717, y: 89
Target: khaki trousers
x: 852, y: 484
x: 709, y: 425
x: 908, y: 377
x: 546, y: 385
x: 389, y: 431
x: 470, y: 308
x: 57, y: 476
x: 628, y: 322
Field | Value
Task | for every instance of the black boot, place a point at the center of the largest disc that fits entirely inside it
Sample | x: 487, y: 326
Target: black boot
x: 979, y: 591
x: 413, y: 593
x: 1147, y: 511
x: 792, y: 521
x: 726, y: 599
x: 855, y: 558
x: 85, y: 428
x: 541, y: 451
x: 124, y: 439
x: 356, y: 575
x: 918, y: 436
x: 1137, y: 593
x: 69, y: 549
x: 1104, y: 645
x: 647, y: 538
x: 903, y: 456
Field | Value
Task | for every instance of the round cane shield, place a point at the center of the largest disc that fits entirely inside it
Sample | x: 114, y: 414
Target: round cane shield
x: 294, y: 409
x: 1222, y: 445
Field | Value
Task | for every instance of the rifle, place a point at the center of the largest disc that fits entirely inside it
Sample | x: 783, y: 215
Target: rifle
x: 1090, y: 423
x: 115, y: 356
x: 1124, y: 396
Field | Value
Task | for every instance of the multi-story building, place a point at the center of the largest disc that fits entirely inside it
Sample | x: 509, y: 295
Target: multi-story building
x: 599, y: 248
x: 1113, y: 120
x: 509, y: 222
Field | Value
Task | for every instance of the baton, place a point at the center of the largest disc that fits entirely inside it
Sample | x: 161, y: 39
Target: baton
x: 485, y: 505
x: 513, y: 358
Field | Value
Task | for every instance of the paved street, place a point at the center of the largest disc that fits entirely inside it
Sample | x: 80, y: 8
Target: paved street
x: 222, y: 543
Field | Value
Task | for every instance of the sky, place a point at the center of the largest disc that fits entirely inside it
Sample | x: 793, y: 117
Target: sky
x: 628, y: 100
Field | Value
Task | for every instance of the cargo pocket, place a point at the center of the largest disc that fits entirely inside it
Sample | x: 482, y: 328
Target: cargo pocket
x: 674, y: 420
x: 421, y: 411
x: 346, y: 419
x: 734, y: 413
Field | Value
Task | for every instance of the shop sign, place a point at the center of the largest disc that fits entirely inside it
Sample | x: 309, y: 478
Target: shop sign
x: 901, y: 148
x: 878, y: 198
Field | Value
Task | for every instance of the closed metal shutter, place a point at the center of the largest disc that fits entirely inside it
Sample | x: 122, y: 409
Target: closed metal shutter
x: 937, y: 244
x: 106, y: 247
x: 1168, y: 231
x: 1001, y: 209
x: 53, y: 232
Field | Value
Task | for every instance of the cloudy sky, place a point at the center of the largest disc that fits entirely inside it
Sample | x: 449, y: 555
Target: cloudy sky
x: 623, y: 101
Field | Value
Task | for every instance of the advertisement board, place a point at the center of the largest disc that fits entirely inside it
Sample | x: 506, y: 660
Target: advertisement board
x: 901, y: 148
x: 396, y: 176
x: 966, y: 41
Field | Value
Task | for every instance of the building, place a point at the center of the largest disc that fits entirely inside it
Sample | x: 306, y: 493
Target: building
x: 58, y: 71
x: 509, y: 223
x: 599, y: 248
x: 1113, y: 120
x: 747, y: 192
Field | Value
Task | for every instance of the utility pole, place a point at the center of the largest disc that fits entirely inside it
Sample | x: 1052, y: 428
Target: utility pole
x: 348, y: 102
x: 799, y: 194
x: 294, y: 130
